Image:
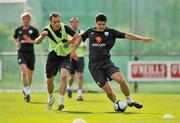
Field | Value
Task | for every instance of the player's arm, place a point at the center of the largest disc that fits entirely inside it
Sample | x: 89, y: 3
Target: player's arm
x: 16, y: 42
x: 35, y: 34
x: 132, y: 36
x: 72, y: 34
x: 40, y: 38
x: 74, y: 47
x: 72, y: 40
x: 15, y: 39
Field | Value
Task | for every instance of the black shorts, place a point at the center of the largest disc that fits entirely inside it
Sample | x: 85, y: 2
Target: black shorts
x: 102, y: 71
x: 55, y: 63
x: 27, y: 58
x: 77, y: 66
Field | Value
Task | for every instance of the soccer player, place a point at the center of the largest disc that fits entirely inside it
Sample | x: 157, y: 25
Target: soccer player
x: 102, y: 69
x: 58, y: 57
x: 77, y: 66
x: 24, y: 38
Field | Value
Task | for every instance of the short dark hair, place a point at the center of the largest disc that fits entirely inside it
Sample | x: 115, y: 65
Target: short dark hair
x: 54, y: 14
x: 101, y: 17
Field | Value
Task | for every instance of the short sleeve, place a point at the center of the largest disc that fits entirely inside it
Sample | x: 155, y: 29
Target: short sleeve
x: 85, y: 35
x: 45, y: 29
x: 15, y: 34
x: 36, y: 33
x: 118, y: 34
x: 69, y: 30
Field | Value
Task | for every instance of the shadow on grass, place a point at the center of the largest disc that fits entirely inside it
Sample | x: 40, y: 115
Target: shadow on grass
x: 113, y: 112
x: 93, y: 101
x: 36, y: 102
x: 85, y: 112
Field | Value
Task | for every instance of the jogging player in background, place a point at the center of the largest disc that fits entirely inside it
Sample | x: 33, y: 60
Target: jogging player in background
x: 24, y: 38
x: 102, y: 69
x: 58, y: 58
x: 77, y: 66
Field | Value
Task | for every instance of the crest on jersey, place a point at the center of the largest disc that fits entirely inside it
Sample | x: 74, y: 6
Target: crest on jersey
x: 106, y: 33
x: 30, y: 31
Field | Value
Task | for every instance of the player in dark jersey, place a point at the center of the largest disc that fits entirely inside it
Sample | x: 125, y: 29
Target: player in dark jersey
x: 24, y: 37
x: 102, y: 69
x: 58, y: 57
x: 77, y: 66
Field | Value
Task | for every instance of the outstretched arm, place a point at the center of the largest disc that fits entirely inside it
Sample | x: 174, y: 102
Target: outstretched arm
x: 132, y: 36
x: 41, y: 37
x: 75, y: 46
x: 72, y: 40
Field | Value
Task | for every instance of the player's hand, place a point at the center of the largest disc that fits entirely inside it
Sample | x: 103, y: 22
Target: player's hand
x: 29, y: 40
x: 44, y: 33
x: 147, y: 39
x: 69, y: 42
x: 74, y: 56
x: 18, y: 44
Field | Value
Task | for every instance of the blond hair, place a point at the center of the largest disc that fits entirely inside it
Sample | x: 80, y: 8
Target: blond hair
x: 26, y: 14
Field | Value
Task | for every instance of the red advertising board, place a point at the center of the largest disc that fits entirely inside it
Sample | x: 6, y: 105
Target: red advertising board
x: 149, y: 70
x: 175, y: 71
x: 153, y: 70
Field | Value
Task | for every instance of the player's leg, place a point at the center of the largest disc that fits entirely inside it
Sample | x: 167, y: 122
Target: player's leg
x: 50, y: 88
x: 29, y: 74
x: 80, y: 70
x: 71, y: 77
x: 30, y: 60
x: 101, y: 80
x: 65, y: 64
x: 25, y: 82
x: 22, y: 60
x: 70, y: 82
x: 63, y: 85
x: 50, y: 85
x: 80, y: 86
x: 52, y: 67
x: 109, y: 92
x: 23, y: 69
x: 123, y: 84
x: 118, y: 77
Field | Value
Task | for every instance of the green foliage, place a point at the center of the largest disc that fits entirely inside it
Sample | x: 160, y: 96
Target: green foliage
x: 143, y: 17
x: 6, y: 34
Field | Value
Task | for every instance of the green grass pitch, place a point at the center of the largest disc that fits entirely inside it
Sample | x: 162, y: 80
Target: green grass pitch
x: 95, y: 109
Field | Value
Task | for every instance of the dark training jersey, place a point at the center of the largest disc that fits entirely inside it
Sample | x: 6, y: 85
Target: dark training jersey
x: 23, y: 34
x: 100, y: 43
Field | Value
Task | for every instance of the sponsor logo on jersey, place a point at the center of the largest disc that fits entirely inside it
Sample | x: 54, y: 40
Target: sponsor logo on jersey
x: 98, y: 44
x: 98, y: 39
x: 25, y: 37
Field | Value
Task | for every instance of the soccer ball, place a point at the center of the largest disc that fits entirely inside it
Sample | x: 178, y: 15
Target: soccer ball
x: 120, y: 106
